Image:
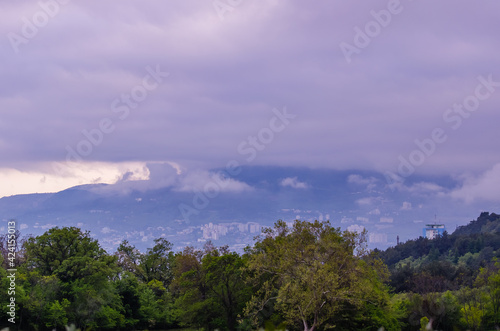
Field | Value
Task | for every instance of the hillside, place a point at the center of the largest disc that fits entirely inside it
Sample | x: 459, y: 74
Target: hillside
x: 141, y: 211
x: 447, y: 262
x: 486, y: 223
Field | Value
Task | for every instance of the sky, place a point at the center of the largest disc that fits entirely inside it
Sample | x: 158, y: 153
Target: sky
x: 93, y: 92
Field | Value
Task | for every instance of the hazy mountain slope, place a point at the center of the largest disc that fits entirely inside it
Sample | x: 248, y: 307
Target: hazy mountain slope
x: 143, y: 211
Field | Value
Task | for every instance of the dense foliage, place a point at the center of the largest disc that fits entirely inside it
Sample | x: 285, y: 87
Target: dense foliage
x: 452, y: 281
x: 310, y: 276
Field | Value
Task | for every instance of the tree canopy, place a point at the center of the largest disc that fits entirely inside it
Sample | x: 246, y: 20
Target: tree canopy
x: 306, y: 276
x: 311, y: 272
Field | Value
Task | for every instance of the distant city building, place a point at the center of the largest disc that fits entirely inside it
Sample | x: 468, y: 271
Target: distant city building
x: 432, y: 231
x: 377, y: 238
x: 254, y: 227
x: 216, y: 231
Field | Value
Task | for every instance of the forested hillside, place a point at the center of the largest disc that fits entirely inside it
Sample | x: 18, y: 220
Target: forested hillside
x: 447, y: 262
x: 452, y: 280
x: 311, y: 276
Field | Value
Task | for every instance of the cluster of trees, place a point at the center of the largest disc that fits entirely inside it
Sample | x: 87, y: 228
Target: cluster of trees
x: 475, y: 307
x: 479, y: 236
x: 310, y: 276
x: 451, y: 282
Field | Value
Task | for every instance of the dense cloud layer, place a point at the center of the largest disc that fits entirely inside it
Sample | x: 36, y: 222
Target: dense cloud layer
x: 196, y: 84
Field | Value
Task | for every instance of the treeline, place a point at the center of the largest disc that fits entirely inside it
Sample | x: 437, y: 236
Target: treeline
x: 452, y: 281
x: 310, y: 276
x: 448, y: 262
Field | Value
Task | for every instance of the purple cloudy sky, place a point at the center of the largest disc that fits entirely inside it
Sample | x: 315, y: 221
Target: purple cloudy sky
x: 360, y: 100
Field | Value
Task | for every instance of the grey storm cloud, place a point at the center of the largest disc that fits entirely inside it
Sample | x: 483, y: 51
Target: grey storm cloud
x: 225, y: 76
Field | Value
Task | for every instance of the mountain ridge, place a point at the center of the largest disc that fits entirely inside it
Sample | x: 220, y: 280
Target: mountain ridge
x: 141, y: 211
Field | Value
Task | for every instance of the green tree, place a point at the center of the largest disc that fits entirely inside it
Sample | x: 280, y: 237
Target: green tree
x: 157, y: 262
x: 129, y: 258
x: 56, y: 314
x: 156, y: 305
x: 447, y: 312
x: 489, y: 280
x: 68, y: 253
x: 127, y: 287
x: 148, y: 306
x: 192, y: 299
x: 472, y: 302
x: 74, y: 264
x: 42, y: 291
x: 210, y: 287
x: 310, y: 271
x: 224, y: 273
x: 494, y: 294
